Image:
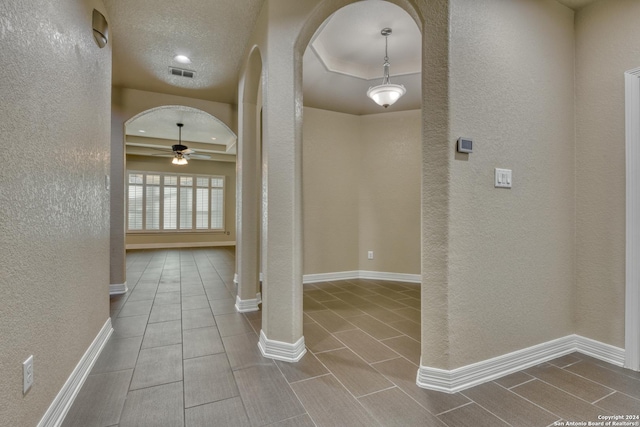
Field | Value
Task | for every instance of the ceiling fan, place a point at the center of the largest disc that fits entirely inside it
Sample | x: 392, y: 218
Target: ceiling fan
x: 182, y: 153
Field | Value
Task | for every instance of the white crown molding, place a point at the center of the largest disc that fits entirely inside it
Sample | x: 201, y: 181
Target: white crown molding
x: 356, y: 70
x: 453, y: 381
x: 281, y: 350
x: 361, y: 274
x: 248, y: 305
x: 60, y: 406
x: 632, y: 267
x: 178, y: 245
x: 118, y: 289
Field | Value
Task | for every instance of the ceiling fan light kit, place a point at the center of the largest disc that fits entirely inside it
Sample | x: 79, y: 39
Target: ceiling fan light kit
x: 386, y: 93
x: 178, y: 149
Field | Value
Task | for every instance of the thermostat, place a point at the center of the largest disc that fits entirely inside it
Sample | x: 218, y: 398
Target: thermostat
x: 465, y: 145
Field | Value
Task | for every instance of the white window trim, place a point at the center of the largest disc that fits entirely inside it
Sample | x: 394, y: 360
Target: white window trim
x: 194, y: 187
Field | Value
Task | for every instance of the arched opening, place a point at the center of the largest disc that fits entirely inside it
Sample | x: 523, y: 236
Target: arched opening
x: 249, y: 194
x: 180, y: 179
x: 361, y: 178
x: 282, y: 240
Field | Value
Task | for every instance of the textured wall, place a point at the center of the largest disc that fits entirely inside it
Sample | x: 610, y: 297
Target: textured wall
x: 163, y: 164
x: 607, y: 34
x: 54, y: 207
x: 511, y: 251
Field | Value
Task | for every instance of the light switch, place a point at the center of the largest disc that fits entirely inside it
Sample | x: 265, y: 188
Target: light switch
x: 503, y: 178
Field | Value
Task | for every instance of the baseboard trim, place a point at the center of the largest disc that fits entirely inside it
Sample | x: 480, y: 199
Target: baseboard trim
x: 599, y: 350
x: 118, y: 289
x: 361, y: 274
x: 248, y: 305
x: 453, y: 381
x: 281, y: 350
x: 60, y: 406
x: 177, y: 245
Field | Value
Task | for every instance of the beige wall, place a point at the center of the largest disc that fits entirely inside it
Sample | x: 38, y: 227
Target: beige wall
x: 361, y: 178
x: 511, y: 256
x: 331, y: 170
x: 54, y: 206
x: 607, y: 34
x: 389, y: 199
x: 163, y: 164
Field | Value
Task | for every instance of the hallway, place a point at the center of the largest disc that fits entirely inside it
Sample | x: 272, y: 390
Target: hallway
x: 181, y: 355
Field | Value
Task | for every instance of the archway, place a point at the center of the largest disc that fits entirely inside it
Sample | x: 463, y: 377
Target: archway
x: 248, y: 193
x: 281, y: 335
x: 127, y: 106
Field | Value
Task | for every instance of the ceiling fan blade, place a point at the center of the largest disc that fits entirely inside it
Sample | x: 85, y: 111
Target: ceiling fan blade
x: 188, y: 151
x: 167, y: 150
x: 199, y: 156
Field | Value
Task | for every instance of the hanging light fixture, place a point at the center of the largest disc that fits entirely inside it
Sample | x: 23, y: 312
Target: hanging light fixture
x: 178, y: 158
x: 386, y: 93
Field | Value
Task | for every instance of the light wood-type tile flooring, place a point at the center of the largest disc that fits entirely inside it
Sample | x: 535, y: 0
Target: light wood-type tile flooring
x: 181, y: 356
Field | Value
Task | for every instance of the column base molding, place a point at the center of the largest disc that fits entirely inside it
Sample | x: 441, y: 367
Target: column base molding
x: 281, y: 350
x: 118, y: 289
x: 247, y: 305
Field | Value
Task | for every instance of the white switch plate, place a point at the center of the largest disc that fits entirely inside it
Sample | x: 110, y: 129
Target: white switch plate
x: 503, y: 178
x: 370, y: 255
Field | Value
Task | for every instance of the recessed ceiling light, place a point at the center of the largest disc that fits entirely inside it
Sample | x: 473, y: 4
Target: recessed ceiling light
x: 213, y: 137
x: 142, y: 131
x: 182, y: 59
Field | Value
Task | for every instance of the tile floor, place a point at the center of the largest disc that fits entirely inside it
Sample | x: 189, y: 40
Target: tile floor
x: 181, y: 356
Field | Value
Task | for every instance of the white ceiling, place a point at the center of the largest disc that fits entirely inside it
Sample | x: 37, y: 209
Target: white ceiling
x: 346, y: 54
x: 158, y: 129
x: 342, y: 61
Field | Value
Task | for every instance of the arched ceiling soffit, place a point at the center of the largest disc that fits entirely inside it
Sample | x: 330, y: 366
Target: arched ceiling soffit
x: 157, y: 129
x: 345, y: 57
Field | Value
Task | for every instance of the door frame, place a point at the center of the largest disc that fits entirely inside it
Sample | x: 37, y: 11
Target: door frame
x: 632, y: 258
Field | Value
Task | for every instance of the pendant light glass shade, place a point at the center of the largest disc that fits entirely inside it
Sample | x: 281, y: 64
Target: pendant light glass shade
x: 179, y: 160
x: 386, y: 93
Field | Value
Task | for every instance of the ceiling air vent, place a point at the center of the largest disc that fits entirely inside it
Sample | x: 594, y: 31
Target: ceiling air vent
x: 182, y: 72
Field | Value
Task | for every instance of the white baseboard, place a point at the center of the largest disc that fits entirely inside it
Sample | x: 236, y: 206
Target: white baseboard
x: 118, y: 289
x: 361, y: 274
x: 469, y: 376
x: 605, y: 352
x: 281, y: 350
x: 63, y: 401
x: 247, y: 305
x: 178, y: 245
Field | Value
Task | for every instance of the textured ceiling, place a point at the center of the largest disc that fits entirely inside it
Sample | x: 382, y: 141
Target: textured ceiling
x: 343, y: 60
x: 146, y: 35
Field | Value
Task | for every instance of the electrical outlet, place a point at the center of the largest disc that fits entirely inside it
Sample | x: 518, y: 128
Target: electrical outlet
x: 370, y: 255
x: 27, y: 372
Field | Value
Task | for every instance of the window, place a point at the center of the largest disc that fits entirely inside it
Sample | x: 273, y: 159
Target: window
x: 174, y: 202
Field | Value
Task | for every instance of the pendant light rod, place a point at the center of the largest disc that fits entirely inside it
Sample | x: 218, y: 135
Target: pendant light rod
x: 386, y: 93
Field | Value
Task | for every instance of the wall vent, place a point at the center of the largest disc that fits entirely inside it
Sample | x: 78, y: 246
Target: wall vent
x: 182, y: 72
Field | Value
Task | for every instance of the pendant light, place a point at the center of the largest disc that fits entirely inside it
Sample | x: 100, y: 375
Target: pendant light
x: 386, y: 93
